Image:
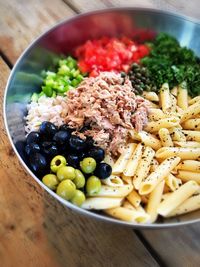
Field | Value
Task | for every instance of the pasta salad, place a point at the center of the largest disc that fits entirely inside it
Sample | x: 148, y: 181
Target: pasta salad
x: 116, y: 128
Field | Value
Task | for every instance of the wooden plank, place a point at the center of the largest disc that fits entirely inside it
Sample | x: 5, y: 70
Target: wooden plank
x: 36, y: 230
x: 178, y: 246
x: 22, y: 21
x: 188, y: 8
x: 86, y: 5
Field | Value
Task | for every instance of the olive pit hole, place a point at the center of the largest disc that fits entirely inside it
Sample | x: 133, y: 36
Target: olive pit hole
x: 58, y: 162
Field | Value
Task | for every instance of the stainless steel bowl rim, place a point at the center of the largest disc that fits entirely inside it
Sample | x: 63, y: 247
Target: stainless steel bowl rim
x: 53, y: 194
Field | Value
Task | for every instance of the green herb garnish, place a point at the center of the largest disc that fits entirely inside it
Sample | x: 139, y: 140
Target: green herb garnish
x: 171, y: 63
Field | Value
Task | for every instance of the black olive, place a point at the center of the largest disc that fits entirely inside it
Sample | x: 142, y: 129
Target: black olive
x: 20, y: 146
x: 32, y: 148
x: 65, y: 127
x: 103, y: 170
x: 97, y: 153
x: 50, y: 149
x: 76, y: 143
x: 33, y: 137
x: 73, y: 160
x: 82, y: 155
x: 48, y: 130
x: 38, y: 164
x: 89, y: 143
x: 62, y: 137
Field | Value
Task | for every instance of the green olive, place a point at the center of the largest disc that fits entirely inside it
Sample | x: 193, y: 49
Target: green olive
x: 66, y: 189
x: 57, y: 162
x: 78, y: 198
x: 50, y: 180
x: 93, y: 185
x: 79, y: 180
x: 66, y: 172
x: 88, y: 165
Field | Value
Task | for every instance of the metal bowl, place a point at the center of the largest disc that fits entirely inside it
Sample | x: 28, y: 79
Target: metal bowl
x: 25, y: 77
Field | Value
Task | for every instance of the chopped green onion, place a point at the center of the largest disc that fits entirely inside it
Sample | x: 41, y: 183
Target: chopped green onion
x: 64, y: 79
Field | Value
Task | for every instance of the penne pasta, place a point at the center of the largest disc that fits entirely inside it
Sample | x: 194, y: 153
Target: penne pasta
x: 151, y: 96
x: 192, y: 135
x: 156, y: 114
x: 179, y: 111
x: 187, y: 144
x: 177, y: 197
x: 154, y: 126
x: 191, y: 111
x: 127, y: 214
x: 165, y: 137
x: 110, y: 191
x: 188, y: 175
x: 182, y: 152
x: 174, y: 91
x: 133, y: 161
x: 134, y: 135
x: 141, y: 209
x: 128, y: 205
x: 165, y: 98
x: 182, y: 96
x: 134, y: 198
x: 109, y: 160
x: 144, y: 199
x: 174, y: 102
x: 163, y: 170
x: 101, y: 203
x: 154, y: 165
x: 177, y: 134
x: 166, y: 195
x: 113, y: 180
x: 121, y: 162
x: 149, y: 140
x: 172, y: 182
x: 151, y: 104
x: 190, y: 204
x: 189, y: 165
x: 194, y: 100
x: 127, y: 179
x: 192, y: 124
x: 154, y: 201
x: 143, y: 167
x: 166, y: 189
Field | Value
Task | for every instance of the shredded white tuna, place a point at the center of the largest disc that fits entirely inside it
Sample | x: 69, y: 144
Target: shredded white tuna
x: 46, y: 109
x: 108, y: 104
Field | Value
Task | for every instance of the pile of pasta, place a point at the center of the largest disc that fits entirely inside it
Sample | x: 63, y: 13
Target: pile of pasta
x: 158, y: 172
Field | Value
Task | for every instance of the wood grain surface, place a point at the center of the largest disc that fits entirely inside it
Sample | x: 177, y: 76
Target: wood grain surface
x: 36, y: 230
x: 21, y: 21
x: 188, y: 8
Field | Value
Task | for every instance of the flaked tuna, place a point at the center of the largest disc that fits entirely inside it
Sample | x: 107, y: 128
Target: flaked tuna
x: 108, y: 104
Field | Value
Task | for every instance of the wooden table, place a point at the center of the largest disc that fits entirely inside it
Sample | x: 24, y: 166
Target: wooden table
x: 36, y: 230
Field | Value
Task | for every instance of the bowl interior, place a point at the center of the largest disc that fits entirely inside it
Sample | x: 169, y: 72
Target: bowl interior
x: 140, y: 24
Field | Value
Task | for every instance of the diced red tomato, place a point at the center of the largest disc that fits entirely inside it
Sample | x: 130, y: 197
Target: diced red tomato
x: 109, y: 54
